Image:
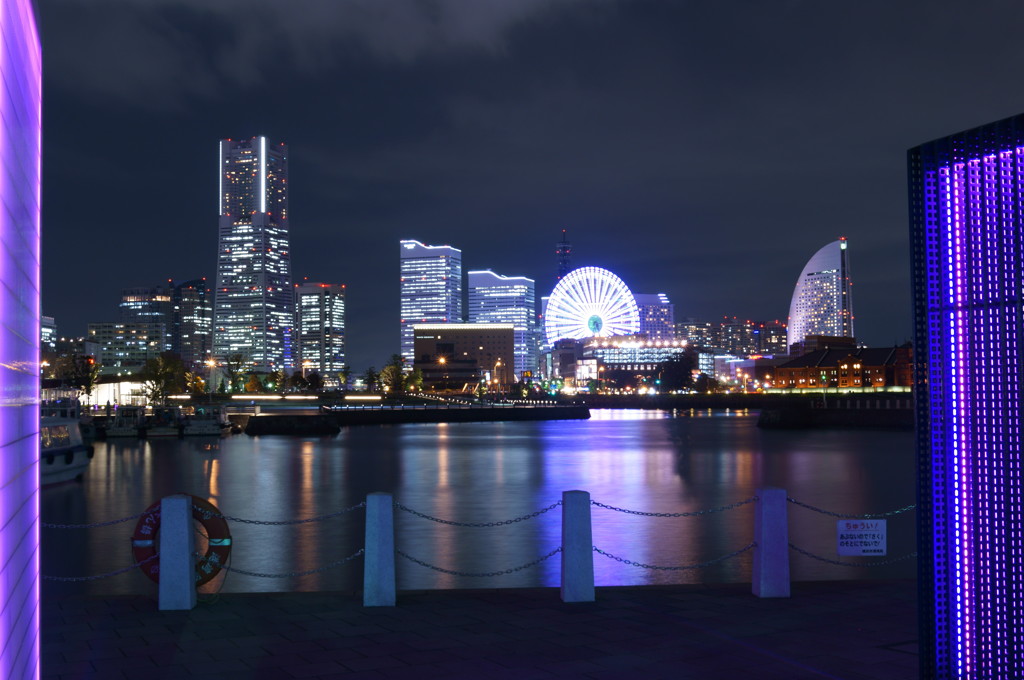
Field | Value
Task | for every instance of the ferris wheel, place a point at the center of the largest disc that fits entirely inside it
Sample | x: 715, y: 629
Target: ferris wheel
x: 589, y: 302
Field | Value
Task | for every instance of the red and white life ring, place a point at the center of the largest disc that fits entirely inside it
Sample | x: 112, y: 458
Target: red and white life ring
x: 144, y: 545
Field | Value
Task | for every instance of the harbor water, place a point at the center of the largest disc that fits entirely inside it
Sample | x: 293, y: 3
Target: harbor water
x: 642, y: 460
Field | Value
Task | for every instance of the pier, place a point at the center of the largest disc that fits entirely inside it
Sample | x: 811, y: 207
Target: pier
x: 851, y: 630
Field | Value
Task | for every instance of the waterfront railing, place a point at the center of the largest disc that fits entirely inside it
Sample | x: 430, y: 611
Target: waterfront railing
x: 177, y: 517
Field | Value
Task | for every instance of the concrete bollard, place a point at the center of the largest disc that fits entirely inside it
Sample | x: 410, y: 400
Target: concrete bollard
x: 379, y: 558
x: 177, y: 560
x: 771, y: 533
x: 577, y: 548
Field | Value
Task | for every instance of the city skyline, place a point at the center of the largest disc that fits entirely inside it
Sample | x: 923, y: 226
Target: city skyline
x: 686, y: 160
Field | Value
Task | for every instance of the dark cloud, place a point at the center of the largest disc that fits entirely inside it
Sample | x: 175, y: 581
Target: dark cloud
x: 705, y: 150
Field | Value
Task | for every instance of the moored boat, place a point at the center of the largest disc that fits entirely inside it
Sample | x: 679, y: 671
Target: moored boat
x: 165, y: 422
x: 206, y: 421
x: 63, y: 455
x: 127, y: 421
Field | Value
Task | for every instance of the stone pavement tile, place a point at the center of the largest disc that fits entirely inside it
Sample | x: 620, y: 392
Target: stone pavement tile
x: 332, y: 655
x: 51, y: 666
x: 273, y: 661
x: 225, y: 667
x: 372, y: 663
x: 134, y: 665
x: 477, y: 668
x: 422, y: 657
x: 291, y: 647
x: 313, y: 670
x: 94, y: 655
x: 237, y: 652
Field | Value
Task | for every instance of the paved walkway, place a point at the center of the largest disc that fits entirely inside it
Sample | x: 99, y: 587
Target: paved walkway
x: 864, y: 629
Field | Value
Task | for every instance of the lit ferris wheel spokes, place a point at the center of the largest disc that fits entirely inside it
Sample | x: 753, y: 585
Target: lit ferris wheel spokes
x: 588, y: 302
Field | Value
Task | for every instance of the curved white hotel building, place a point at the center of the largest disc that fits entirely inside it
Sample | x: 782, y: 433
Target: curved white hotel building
x: 431, y: 288
x: 822, y: 303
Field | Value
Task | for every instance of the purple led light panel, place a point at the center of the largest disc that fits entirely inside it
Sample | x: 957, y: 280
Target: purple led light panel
x: 966, y: 230
x: 20, y: 100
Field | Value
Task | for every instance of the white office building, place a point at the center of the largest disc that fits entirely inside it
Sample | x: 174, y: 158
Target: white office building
x: 430, y: 288
x: 320, y: 328
x: 494, y: 298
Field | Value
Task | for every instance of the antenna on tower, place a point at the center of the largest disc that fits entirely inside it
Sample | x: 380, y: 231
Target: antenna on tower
x: 564, y: 250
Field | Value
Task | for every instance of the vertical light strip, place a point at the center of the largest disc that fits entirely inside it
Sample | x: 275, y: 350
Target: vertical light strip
x: 220, y: 177
x: 263, y: 175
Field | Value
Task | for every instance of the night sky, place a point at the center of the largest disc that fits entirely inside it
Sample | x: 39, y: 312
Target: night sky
x: 701, y: 149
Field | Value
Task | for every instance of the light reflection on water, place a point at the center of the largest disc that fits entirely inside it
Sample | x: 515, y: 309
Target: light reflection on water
x: 650, y: 461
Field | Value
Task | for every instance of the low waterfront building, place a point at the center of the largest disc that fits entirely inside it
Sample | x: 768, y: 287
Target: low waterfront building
x: 845, y: 367
x: 454, y: 355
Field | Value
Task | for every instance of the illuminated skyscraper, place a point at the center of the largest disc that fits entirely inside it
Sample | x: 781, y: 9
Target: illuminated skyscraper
x: 320, y: 328
x: 192, y: 323
x: 20, y: 132
x: 967, y: 227
x: 507, y: 299
x: 431, y: 288
x: 254, y: 308
x: 152, y: 308
x: 822, y: 302
x: 657, y: 316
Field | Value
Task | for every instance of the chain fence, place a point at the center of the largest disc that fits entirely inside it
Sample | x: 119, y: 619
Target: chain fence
x: 699, y: 565
x: 69, y: 579
x: 48, y: 525
x: 500, y: 523
x: 308, y: 572
x: 876, y: 563
x: 275, y: 523
x: 695, y: 513
x: 480, y: 574
x: 840, y: 515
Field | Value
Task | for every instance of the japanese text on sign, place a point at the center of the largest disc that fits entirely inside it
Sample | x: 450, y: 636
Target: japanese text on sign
x: 861, y: 536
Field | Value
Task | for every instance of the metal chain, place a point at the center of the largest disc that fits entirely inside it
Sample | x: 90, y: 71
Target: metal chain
x: 47, y: 525
x: 99, y: 576
x: 676, y: 514
x: 478, y: 524
x: 308, y: 572
x: 700, y: 565
x: 840, y: 515
x: 207, y: 514
x: 484, y: 574
x: 877, y: 563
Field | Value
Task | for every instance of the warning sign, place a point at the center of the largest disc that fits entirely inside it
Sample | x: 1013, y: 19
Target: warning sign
x: 861, y: 536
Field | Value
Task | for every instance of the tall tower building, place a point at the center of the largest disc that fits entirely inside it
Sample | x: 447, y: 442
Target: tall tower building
x: 563, y: 249
x: 320, y: 328
x: 494, y: 298
x: 431, y: 288
x: 822, y: 302
x: 254, y: 305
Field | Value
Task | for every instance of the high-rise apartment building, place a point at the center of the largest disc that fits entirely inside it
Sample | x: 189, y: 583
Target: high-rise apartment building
x: 192, y: 322
x: 657, y: 316
x: 254, y: 303
x: 320, y: 329
x: 822, y: 302
x: 494, y: 298
x: 152, y: 308
x: 431, y: 288
x: 126, y: 345
x: 966, y: 231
